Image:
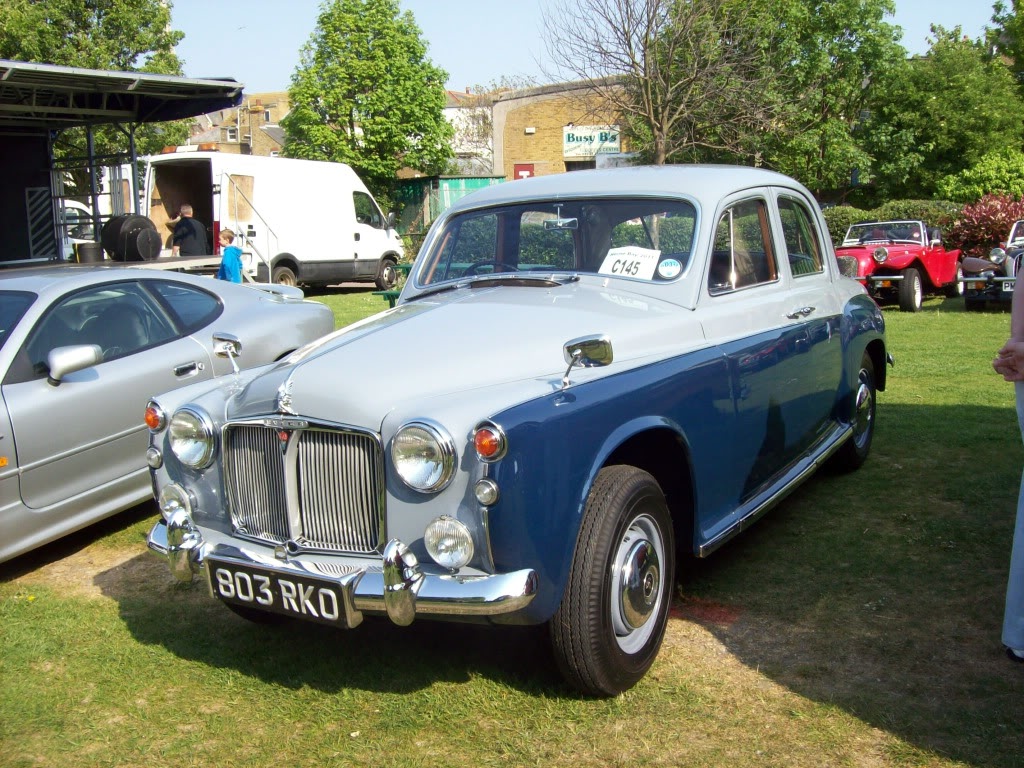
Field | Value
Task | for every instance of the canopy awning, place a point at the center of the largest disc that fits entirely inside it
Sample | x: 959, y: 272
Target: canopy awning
x: 37, y: 98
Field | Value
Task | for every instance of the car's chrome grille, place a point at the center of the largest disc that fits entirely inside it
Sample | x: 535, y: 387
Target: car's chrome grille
x: 321, y: 488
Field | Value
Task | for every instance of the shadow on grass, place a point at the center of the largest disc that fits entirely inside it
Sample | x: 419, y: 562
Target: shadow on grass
x: 376, y: 656
x: 879, y: 593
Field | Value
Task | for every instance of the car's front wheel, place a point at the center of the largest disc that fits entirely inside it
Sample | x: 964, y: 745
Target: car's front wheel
x: 911, y: 291
x: 607, y: 631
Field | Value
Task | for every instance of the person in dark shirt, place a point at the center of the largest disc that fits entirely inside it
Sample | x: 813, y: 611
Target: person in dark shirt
x: 189, y: 236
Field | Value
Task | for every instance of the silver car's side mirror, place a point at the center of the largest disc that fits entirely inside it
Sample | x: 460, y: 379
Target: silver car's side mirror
x: 586, y: 352
x: 65, y: 360
x: 227, y: 345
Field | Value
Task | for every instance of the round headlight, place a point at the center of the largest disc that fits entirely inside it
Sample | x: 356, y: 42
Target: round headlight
x: 190, y: 435
x: 880, y: 255
x: 424, y: 456
x: 448, y: 542
x: 997, y: 256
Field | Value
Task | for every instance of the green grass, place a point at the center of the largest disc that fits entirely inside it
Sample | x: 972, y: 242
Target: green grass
x: 856, y: 625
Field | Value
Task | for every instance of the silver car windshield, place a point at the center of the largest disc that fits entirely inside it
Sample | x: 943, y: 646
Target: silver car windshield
x: 12, y: 306
x: 643, y: 239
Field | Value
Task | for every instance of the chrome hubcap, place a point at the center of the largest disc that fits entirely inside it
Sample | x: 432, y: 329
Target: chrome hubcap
x: 863, y: 409
x: 639, y: 582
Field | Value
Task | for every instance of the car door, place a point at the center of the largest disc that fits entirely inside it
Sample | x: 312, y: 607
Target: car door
x: 371, y: 240
x: 813, y: 308
x: 747, y: 312
x: 86, y: 433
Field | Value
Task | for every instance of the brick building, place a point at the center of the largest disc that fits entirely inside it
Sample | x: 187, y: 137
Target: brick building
x: 553, y: 129
x: 251, y: 129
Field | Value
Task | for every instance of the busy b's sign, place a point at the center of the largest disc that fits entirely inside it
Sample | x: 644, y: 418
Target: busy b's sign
x: 581, y: 141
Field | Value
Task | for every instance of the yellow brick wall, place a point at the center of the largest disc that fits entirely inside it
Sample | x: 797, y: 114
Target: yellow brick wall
x: 547, y: 110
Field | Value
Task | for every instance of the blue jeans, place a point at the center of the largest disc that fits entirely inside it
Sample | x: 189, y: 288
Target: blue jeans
x: 1013, y: 619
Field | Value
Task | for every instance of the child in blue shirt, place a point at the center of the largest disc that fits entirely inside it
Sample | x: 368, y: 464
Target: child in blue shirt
x: 231, y: 258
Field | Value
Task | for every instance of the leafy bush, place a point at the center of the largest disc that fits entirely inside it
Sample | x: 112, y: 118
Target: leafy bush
x: 1000, y: 172
x: 840, y: 217
x: 934, y: 213
x: 982, y: 225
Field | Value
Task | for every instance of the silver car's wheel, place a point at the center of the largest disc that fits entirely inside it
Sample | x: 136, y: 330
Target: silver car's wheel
x: 607, y: 631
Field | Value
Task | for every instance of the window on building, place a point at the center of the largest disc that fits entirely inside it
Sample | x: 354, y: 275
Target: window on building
x: 231, y: 133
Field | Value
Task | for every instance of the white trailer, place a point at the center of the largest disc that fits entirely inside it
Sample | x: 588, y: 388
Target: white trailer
x: 298, y: 222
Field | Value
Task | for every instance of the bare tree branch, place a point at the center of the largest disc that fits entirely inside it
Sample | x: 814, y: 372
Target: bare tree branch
x: 688, y: 76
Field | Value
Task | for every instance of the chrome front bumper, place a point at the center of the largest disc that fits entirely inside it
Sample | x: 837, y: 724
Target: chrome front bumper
x: 399, y: 588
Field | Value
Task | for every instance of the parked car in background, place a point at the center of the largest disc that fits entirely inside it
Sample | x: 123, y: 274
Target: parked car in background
x: 81, y: 351
x: 902, y: 260
x: 591, y: 373
x: 992, y: 279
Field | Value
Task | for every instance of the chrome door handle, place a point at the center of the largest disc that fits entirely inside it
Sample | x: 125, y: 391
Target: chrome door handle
x: 188, y: 369
x: 801, y: 312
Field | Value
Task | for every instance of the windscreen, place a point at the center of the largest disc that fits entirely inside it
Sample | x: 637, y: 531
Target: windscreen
x: 637, y: 239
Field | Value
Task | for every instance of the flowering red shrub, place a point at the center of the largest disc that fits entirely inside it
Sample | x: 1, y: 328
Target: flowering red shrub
x: 981, y: 226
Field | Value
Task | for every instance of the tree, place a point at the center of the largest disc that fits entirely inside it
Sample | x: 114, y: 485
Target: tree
x: 687, y: 76
x: 832, y: 52
x: 999, y: 172
x: 1006, y: 37
x: 365, y: 94
x: 941, y: 115
x: 119, y: 35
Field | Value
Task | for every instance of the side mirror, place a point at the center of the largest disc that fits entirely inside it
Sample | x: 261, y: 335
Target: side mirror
x: 392, y: 219
x: 586, y: 352
x: 65, y: 360
x: 227, y: 345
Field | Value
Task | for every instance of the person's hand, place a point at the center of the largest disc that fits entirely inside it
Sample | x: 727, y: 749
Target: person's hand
x: 1009, y: 361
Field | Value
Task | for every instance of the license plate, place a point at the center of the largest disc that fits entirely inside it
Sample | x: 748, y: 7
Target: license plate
x: 304, y: 597
x: 1008, y: 287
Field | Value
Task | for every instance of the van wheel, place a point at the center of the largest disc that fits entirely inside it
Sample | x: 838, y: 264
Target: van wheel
x: 387, y: 275
x: 284, y: 276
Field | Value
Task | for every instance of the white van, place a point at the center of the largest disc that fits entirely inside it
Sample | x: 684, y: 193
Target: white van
x: 296, y: 221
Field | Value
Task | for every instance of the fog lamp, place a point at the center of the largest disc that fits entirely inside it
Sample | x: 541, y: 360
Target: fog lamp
x: 486, y: 491
x: 448, y: 542
x: 173, y: 498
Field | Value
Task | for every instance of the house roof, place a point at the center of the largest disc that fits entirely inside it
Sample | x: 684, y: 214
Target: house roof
x: 37, y: 98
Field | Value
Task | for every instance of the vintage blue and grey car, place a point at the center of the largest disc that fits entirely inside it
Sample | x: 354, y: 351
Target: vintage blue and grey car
x: 586, y: 377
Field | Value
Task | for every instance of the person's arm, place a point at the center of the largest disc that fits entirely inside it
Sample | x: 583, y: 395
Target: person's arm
x: 1010, y: 358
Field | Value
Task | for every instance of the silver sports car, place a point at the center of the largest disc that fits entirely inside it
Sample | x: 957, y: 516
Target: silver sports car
x: 81, y: 351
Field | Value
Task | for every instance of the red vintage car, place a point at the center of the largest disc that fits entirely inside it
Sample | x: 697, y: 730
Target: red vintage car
x: 902, y: 260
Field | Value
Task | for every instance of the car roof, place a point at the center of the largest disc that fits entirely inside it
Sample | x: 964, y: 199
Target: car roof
x: 706, y: 184
x: 59, y: 278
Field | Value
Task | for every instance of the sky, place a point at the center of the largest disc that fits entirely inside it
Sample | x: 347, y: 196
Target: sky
x: 477, y: 42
